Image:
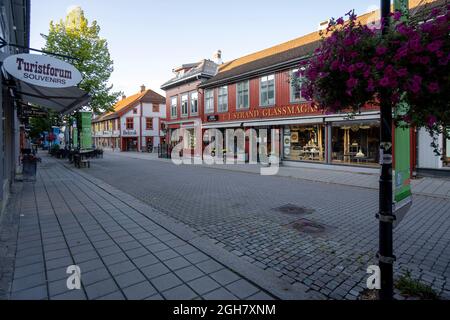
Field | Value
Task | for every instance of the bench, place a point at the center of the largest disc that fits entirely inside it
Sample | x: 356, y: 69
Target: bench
x: 85, y: 164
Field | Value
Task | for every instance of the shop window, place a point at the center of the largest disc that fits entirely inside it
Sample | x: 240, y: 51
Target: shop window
x: 267, y: 91
x: 184, y: 105
x: 149, y: 123
x: 130, y: 123
x: 209, y: 101
x: 295, y: 86
x: 304, y: 143
x: 174, y: 107
x: 243, y: 95
x: 194, y: 103
x: 223, y: 99
x: 356, y: 143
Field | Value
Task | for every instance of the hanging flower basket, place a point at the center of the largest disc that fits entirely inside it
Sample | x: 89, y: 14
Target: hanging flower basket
x: 354, y: 65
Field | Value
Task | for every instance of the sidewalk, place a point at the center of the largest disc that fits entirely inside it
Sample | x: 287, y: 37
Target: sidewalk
x: 350, y: 176
x: 125, y: 248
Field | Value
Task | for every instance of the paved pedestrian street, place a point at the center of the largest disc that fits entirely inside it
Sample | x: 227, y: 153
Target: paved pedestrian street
x: 123, y: 253
x: 141, y: 228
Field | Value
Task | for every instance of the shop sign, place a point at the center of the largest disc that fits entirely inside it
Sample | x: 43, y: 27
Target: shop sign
x: 213, y: 118
x: 129, y: 132
x: 44, y: 71
x: 283, y: 111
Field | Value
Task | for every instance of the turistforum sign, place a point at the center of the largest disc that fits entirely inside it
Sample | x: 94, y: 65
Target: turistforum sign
x: 43, y: 71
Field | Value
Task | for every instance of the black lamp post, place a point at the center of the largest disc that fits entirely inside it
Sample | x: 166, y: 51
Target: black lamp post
x: 386, y: 217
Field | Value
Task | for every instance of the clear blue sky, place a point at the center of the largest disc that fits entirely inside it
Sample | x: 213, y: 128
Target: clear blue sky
x: 147, y: 39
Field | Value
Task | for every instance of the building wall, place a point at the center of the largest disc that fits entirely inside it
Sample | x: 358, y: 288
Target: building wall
x: 178, y: 92
x: 427, y: 159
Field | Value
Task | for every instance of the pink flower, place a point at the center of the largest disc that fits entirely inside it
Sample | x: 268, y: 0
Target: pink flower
x: 381, y: 50
x: 380, y: 65
x: 434, y: 46
x: 431, y: 121
x: 403, y: 72
x: 433, y: 87
x: 340, y: 21
x: 397, y: 15
x: 384, y: 82
x: 352, y: 82
x: 425, y: 60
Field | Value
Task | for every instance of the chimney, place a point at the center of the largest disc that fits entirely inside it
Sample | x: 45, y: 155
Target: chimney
x: 217, y: 57
x: 124, y: 97
x: 323, y: 25
x: 142, y: 88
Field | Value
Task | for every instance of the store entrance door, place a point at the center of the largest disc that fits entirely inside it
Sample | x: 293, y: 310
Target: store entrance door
x: 131, y: 144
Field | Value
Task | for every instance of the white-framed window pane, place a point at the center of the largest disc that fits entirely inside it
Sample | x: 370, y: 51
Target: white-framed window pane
x: 173, y: 107
x: 184, y: 105
x: 243, y: 95
x: 223, y: 99
x: 296, y: 95
x: 194, y: 102
x: 209, y: 101
x: 267, y: 90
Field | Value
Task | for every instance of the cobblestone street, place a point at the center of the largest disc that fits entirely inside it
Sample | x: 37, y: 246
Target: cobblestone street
x: 325, y: 238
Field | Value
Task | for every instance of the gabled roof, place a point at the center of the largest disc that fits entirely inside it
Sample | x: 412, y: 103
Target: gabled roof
x: 290, y: 52
x: 203, y: 69
x: 122, y: 106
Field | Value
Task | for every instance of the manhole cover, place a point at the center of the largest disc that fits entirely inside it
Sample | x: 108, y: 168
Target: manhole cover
x: 308, y: 226
x: 293, y: 209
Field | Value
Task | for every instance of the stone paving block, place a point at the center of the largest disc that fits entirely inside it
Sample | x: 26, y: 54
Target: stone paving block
x: 25, y: 261
x: 107, y: 251
x: 157, y: 247
x: 28, y: 282
x: 129, y: 278
x: 101, y: 289
x: 145, y: 260
x: 155, y: 270
x: 260, y: 296
x: 242, y: 289
x: 220, y: 294
x: 115, y: 296
x: 85, y: 256
x: 91, y: 277
x: 166, y: 254
x: 72, y: 295
x: 224, y: 276
x: 189, y: 273
x: 29, y: 270
x: 63, y: 262
x: 91, y: 265
x: 203, y: 285
x: 137, y: 252
x: 177, y: 263
x: 121, y: 267
x: 182, y: 292
x: 185, y: 249
x: 36, y: 293
x: 196, y: 257
x: 139, y: 291
x: 209, y: 266
x: 165, y: 282
x: 115, y: 258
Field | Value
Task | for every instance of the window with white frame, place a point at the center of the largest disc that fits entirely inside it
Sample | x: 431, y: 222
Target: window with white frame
x: 296, y: 86
x: 222, y: 105
x: 209, y: 101
x: 267, y: 90
x: 243, y: 95
x: 184, y: 105
x: 194, y: 103
x: 174, y: 107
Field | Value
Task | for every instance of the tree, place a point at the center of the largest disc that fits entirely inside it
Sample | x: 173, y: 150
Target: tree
x: 75, y: 38
x: 42, y: 124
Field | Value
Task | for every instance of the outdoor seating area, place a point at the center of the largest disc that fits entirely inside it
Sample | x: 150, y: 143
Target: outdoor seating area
x: 80, y: 158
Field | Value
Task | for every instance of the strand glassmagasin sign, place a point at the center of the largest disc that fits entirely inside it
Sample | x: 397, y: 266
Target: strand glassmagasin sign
x: 40, y: 70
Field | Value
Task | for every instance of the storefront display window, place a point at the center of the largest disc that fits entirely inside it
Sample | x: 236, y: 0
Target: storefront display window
x: 356, y: 143
x: 304, y: 143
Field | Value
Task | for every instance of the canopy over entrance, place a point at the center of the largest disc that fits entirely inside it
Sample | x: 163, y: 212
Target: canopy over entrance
x: 62, y: 100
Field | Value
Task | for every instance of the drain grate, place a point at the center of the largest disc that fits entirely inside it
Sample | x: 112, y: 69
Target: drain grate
x: 293, y: 209
x: 309, y: 227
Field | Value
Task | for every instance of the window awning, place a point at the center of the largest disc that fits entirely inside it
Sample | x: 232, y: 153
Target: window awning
x: 62, y: 100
